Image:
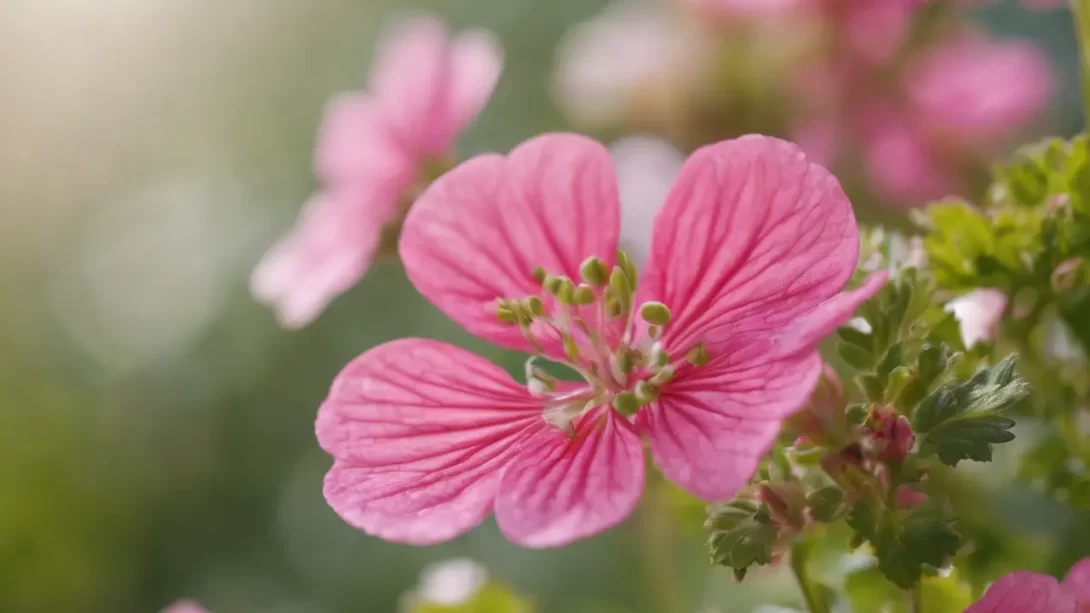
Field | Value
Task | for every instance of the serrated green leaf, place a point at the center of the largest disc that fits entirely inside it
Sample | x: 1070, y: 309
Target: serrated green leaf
x: 855, y: 357
x: 861, y: 519
x: 857, y: 338
x: 750, y: 542
x: 963, y: 421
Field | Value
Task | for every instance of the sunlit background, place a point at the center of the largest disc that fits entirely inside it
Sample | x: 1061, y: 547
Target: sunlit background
x: 156, y: 425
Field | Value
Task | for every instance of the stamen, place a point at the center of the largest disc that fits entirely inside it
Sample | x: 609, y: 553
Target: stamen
x: 655, y: 313
x: 626, y: 403
x: 594, y: 271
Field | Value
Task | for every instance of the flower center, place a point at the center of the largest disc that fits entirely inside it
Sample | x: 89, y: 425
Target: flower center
x: 593, y: 325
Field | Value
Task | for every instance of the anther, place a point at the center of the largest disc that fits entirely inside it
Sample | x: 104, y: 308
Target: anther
x: 506, y: 313
x: 646, y: 393
x: 620, y: 288
x: 698, y: 356
x: 626, y: 403
x: 540, y: 275
x: 594, y: 271
x: 655, y: 313
x: 583, y: 294
x: 663, y: 376
x: 658, y: 356
x: 534, y: 305
x: 628, y: 267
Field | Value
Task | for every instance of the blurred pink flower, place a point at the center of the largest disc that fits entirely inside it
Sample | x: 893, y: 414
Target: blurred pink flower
x: 1026, y: 592
x: 978, y: 313
x: 900, y: 160
x: 747, y: 8
x: 185, y: 606
x: 428, y: 439
x: 425, y: 88
x: 978, y: 92
x: 633, y: 54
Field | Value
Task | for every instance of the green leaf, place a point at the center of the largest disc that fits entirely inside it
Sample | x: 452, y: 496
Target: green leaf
x: 923, y: 539
x: 855, y: 356
x: 962, y: 421
x: 491, y: 598
x: 826, y: 505
x: 869, y: 592
x: 750, y: 542
x: 857, y: 338
x: 862, y: 520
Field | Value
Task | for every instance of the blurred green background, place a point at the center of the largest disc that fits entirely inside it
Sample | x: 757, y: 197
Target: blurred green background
x: 156, y: 426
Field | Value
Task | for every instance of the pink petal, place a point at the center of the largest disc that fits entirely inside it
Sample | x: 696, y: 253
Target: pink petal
x: 712, y: 425
x: 479, y: 231
x: 1024, y: 592
x: 476, y: 63
x: 327, y: 252
x: 978, y: 313
x: 560, y: 489
x: 185, y: 606
x: 1077, y: 582
x: 751, y: 237
x: 355, y: 145
x: 809, y: 329
x: 420, y: 431
x: 410, y: 78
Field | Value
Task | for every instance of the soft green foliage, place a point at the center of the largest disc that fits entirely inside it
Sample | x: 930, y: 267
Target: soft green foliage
x: 491, y: 598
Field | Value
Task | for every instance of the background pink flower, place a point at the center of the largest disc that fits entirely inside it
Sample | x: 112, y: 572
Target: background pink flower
x: 428, y: 439
x: 185, y: 606
x: 425, y: 88
x: 1026, y: 592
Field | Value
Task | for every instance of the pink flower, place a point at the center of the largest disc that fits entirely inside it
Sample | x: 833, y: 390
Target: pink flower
x: 185, y: 606
x: 978, y: 313
x: 748, y: 8
x: 748, y: 258
x: 1026, y: 592
x: 425, y: 88
x: 979, y: 91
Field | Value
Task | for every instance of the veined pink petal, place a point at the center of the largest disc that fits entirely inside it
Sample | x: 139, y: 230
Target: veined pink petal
x: 1024, y: 592
x: 356, y: 147
x: 421, y: 431
x: 712, y: 425
x: 1077, y: 582
x: 559, y: 489
x: 185, y: 606
x: 328, y: 250
x: 478, y: 232
x: 476, y: 63
x: 979, y: 90
x: 752, y: 236
x: 809, y: 329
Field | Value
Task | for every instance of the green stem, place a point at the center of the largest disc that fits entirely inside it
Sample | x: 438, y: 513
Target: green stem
x: 659, y: 543
x: 800, y: 554
x: 1081, y: 10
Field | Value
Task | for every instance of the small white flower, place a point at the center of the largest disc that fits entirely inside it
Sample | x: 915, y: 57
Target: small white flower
x: 451, y: 582
x: 979, y: 313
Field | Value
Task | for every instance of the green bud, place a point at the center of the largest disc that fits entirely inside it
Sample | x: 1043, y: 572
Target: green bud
x: 540, y: 275
x: 628, y: 267
x: 645, y: 392
x: 626, y: 403
x: 698, y: 356
x: 583, y: 294
x: 594, y: 271
x: 655, y: 313
x: 533, y: 304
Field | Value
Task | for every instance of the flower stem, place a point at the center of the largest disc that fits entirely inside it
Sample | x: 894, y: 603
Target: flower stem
x: 1081, y: 10
x: 800, y: 554
x: 659, y: 544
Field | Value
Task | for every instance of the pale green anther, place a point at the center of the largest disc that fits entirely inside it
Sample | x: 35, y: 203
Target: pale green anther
x: 552, y: 284
x: 663, y: 376
x: 626, y: 403
x: 594, y: 271
x: 620, y: 288
x: 625, y: 363
x: 659, y: 357
x: 655, y: 313
x: 629, y: 268
x: 654, y: 332
x: 534, y: 305
x: 540, y: 275
x: 571, y: 349
x: 506, y: 314
x: 698, y: 356
x: 646, y: 393
x: 583, y: 294
x: 614, y: 308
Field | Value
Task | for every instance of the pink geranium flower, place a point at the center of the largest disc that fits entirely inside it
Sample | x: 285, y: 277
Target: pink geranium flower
x: 1026, y: 592
x: 425, y: 88
x: 703, y: 354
